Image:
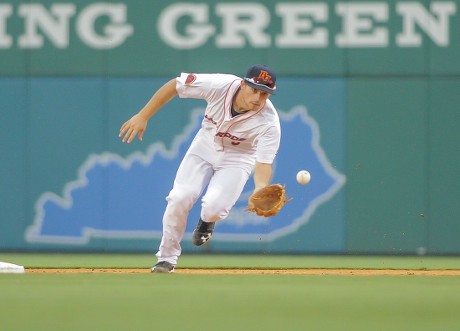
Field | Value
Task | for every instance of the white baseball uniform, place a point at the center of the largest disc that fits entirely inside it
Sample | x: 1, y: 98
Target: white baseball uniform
x: 221, y: 156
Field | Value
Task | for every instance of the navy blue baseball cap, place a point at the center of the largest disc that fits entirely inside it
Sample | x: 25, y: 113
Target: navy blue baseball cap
x: 262, y: 78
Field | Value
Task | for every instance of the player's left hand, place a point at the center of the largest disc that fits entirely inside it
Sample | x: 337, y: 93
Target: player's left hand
x: 268, y: 200
x: 133, y: 127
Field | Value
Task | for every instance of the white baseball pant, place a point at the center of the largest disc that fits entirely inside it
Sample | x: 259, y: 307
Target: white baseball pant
x: 225, y: 178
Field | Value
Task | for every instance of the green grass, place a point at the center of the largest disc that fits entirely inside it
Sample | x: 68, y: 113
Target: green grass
x: 228, y: 302
x: 232, y: 261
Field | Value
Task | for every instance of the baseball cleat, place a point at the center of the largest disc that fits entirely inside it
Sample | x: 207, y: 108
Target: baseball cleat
x: 163, y: 267
x: 202, y: 233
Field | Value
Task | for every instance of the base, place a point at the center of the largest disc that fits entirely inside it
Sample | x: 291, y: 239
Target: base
x: 10, y: 268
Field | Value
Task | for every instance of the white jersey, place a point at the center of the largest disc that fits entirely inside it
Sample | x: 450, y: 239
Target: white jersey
x: 254, y: 135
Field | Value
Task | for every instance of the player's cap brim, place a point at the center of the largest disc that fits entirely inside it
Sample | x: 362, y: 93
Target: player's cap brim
x: 261, y: 87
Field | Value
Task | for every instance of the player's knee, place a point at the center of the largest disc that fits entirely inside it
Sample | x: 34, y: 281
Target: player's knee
x: 213, y: 212
x: 182, y: 197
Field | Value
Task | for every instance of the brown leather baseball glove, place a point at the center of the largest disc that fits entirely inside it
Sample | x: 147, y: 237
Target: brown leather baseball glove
x: 268, y: 201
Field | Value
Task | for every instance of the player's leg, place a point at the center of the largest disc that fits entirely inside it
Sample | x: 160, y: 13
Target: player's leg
x: 223, y: 191
x: 192, y: 177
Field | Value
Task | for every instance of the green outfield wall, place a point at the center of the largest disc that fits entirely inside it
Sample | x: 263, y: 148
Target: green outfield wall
x: 375, y: 83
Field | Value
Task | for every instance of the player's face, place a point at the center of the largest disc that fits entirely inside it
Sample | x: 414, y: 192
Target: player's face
x: 253, y: 99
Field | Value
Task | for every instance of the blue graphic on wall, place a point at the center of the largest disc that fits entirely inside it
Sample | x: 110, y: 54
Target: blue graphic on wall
x: 115, y: 197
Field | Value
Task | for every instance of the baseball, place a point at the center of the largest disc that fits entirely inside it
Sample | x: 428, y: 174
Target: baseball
x: 303, y: 177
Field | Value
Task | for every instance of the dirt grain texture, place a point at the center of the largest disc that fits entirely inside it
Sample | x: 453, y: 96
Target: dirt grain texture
x: 337, y: 272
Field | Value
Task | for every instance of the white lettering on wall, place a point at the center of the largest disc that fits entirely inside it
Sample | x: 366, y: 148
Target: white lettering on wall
x: 6, y: 41
x: 414, y: 14
x: 230, y: 25
x: 298, y: 30
x: 197, y: 31
x: 363, y: 24
x: 245, y: 22
x: 115, y: 32
x: 358, y: 28
x: 54, y: 23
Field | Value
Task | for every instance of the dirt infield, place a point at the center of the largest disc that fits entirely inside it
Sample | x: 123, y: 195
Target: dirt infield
x: 338, y: 272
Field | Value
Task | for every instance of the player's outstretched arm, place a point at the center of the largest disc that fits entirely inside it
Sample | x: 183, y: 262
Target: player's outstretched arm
x: 137, y: 124
x: 267, y: 200
x: 262, y: 175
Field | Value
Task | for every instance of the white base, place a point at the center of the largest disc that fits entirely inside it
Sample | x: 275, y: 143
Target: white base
x: 10, y: 268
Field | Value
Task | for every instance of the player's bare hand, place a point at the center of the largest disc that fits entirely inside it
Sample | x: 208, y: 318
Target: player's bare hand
x: 133, y: 127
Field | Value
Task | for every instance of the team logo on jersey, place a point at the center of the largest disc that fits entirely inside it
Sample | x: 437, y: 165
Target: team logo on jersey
x: 235, y: 140
x: 190, y: 79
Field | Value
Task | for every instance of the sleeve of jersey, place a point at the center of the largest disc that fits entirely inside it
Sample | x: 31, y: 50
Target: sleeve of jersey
x: 268, y: 145
x: 195, y: 86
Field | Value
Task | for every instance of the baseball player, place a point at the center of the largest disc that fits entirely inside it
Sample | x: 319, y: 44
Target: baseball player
x: 240, y: 132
